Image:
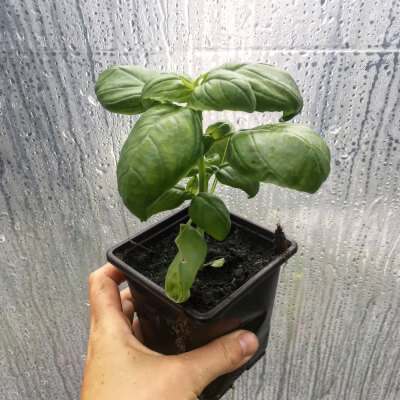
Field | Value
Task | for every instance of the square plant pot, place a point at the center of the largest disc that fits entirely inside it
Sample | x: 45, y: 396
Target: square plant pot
x: 171, y: 328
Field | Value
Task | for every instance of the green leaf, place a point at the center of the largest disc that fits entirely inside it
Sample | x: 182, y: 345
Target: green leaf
x: 220, y: 129
x: 169, y: 200
x: 212, y: 159
x: 287, y: 155
x: 274, y: 89
x: 216, y: 263
x: 161, y: 148
x: 193, y: 185
x: 229, y: 176
x: 148, y: 103
x: 192, y: 250
x: 119, y: 88
x: 208, y: 141
x: 220, y: 132
x: 219, y: 147
x: 212, y: 169
x: 168, y: 87
x: 209, y: 212
x: 192, y: 171
x: 248, y: 87
x: 222, y: 89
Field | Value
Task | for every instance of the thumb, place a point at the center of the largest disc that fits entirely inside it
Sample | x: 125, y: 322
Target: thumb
x: 219, y: 357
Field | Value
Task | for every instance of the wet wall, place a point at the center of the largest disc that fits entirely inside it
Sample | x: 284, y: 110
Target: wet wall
x: 336, y: 325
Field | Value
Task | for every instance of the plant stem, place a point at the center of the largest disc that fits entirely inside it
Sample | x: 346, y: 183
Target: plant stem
x: 203, y: 186
x: 199, y: 79
x: 222, y: 161
x: 202, y: 169
x: 202, y: 175
x: 214, y: 185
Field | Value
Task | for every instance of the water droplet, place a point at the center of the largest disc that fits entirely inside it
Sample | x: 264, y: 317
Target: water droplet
x: 92, y: 101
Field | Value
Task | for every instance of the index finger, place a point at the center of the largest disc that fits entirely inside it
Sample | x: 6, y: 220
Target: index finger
x: 104, y: 295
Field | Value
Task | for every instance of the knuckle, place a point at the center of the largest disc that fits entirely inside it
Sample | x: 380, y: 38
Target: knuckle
x: 92, y: 278
x: 96, y: 280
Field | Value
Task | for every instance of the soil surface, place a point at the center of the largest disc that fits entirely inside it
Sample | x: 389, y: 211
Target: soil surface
x: 245, y: 254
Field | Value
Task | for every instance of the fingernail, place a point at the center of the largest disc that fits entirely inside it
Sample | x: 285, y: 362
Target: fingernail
x: 249, y: 343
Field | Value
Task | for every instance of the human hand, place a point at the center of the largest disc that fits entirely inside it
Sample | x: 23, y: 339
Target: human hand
x: 119, y: 366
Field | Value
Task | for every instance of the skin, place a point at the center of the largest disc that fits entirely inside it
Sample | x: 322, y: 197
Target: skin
x: 119, y: 366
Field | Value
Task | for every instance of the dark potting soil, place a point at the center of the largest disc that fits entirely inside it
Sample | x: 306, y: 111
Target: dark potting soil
x: 245, y: 254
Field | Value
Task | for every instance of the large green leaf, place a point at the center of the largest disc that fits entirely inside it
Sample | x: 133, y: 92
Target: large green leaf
x: 248, y: 87
x: 210, y: 213
x: 192, y: 250
x: 168, y: 87
x: 229, y: 176
x: 222, y: 89
x: 161, y: 148
x: 274, y: 89
x: 169, y: 200
x: 287, y: 155
x: 119, y: 88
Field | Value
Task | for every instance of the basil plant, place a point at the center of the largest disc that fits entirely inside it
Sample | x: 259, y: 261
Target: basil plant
x: 168, y: 143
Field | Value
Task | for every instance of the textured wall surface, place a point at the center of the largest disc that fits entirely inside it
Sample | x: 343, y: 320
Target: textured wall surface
x: 336, y: 324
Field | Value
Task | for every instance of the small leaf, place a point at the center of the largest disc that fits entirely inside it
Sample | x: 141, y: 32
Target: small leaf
x: 193, y: 185
x: 287, y: 155
x: 222, y: 89
x: 210, y: 213
x: 192, y: 171
x: 161, y: 148
x: 212, y: 169
x: 192, y: 250
x: 217, y: 263
x: 208, y: 141
x: 220, y: 129
x: 169, y: 200
x: 229, y: 176
x: 119, y: 88
x: 212, y: 159
x: 219, y: 147
x: 168, y: 87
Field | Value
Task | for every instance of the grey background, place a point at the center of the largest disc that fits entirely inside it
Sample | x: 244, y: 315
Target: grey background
x: 336, y: 324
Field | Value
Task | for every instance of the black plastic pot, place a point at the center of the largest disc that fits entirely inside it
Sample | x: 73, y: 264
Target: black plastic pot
x: 171, y: 328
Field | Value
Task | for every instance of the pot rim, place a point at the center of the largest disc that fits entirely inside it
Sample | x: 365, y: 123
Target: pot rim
x: 160, y: 292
